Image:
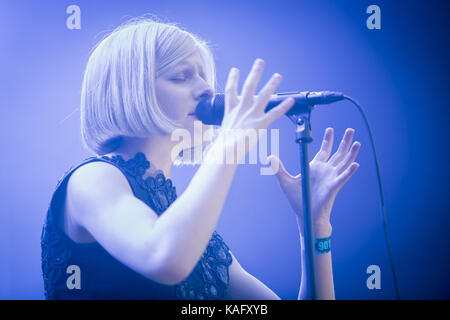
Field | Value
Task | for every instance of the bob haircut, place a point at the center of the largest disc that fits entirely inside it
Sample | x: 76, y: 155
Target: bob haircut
x: 118, y: 96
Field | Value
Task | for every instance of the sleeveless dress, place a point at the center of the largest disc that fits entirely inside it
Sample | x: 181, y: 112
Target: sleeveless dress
x: 101, y: 276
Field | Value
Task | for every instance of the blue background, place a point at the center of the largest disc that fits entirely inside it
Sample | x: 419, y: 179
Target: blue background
x: 398, y: 73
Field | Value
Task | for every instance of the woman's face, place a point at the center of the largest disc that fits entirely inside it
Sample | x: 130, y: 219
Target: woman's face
x: 180, y: 88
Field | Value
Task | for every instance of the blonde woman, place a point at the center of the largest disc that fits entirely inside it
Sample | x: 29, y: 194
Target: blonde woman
x: 116, y: 228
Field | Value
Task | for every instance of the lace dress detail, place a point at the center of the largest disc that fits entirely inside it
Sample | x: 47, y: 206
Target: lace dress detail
x: 54, y: 259
x: 208, y: 280
x: 160, y: 193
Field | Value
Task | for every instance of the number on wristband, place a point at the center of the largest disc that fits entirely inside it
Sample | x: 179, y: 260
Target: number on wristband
x: 322, y: 245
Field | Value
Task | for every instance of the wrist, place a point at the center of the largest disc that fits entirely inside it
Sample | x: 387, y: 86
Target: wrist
x: 322, y: 245
x: 321, y: 229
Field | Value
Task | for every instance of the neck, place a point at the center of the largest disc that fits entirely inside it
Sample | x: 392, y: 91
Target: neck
x: 157, y: 149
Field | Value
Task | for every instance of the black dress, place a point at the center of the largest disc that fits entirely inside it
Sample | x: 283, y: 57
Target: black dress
x: 104, y: 277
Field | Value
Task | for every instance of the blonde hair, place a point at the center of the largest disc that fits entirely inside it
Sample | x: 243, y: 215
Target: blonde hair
x: 118, y: 94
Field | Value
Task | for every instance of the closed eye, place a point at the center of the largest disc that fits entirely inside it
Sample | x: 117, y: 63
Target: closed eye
x: 185, y: 75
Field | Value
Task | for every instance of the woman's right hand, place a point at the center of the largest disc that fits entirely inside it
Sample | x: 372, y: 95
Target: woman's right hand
x: 244, y: 116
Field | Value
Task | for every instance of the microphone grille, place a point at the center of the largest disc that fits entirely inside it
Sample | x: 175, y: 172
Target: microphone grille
x: 210, y: 110
x: 219, y: 100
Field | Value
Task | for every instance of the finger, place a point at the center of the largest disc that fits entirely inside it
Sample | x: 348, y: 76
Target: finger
x: 248, y: 90
x: 326, y: 147
x: 266, y: 92
x: 343, y: 178
x: 231, y: 96
x: 281, y: 109
x: 278, y: 168
x: 343, y: 147
x: 349, y: 158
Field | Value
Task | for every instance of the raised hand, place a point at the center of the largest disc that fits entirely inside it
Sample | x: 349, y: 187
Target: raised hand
x: 327, y: 176
x: 244, y: 114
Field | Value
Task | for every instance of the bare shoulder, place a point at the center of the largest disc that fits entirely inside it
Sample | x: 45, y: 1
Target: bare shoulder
x: 91, y: 188
x: 98, y: 178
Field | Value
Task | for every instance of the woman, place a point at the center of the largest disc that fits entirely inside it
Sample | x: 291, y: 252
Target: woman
x: 116, y: 228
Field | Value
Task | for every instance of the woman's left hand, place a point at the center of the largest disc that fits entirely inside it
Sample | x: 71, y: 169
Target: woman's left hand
x: 327, y: 176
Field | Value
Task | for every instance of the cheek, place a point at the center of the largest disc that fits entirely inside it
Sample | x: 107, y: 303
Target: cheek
x: 171, y: 103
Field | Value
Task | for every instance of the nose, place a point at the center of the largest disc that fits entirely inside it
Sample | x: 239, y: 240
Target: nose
x: 203, y: 91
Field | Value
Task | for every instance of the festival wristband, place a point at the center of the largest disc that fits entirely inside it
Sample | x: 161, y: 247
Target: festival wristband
x: 322, y: 245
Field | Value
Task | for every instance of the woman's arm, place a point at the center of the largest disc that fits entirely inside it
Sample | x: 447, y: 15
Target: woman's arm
x: 244, y: 286
x: 165, y: 248
x: 322, y: 266
x: 327, y: 176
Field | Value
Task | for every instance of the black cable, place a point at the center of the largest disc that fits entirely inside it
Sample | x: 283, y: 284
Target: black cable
x: 383, y: 208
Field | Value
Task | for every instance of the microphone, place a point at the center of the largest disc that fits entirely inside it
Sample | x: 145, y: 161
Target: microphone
x: 210, y: 110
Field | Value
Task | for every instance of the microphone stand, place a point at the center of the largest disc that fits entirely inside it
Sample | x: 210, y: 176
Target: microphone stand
x: 303, y: 138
